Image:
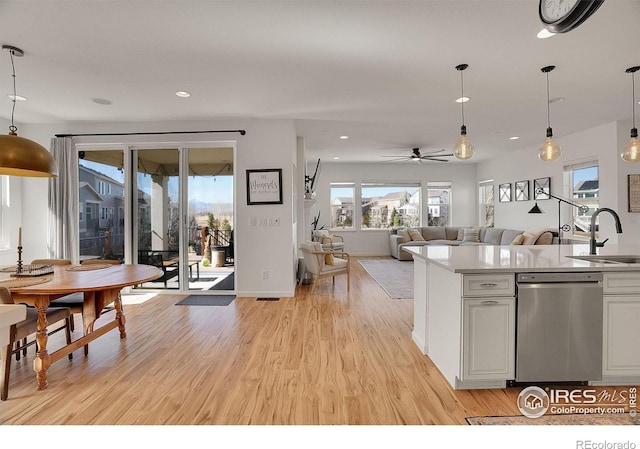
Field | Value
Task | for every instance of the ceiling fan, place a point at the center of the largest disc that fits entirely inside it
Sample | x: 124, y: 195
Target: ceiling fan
x: 418, y: 157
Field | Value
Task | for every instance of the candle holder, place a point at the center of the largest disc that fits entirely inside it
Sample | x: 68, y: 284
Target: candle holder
x: 19, y: 265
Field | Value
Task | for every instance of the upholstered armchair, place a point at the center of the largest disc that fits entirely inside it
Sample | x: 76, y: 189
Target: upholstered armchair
x: 328, y: 241
x: 322, y: 263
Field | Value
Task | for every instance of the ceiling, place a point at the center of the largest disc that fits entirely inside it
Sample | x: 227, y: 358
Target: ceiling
x: 381, y: 72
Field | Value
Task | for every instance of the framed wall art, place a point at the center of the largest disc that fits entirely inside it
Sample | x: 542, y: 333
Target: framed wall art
x: 522, y: 191
x: 633, y: 183
x: 543, y: 184
x: 264, y: 186
x: 504, y: 192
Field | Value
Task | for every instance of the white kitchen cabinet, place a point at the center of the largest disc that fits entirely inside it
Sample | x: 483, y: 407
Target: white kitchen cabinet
x: 621, y: 352
x: 488, y: 342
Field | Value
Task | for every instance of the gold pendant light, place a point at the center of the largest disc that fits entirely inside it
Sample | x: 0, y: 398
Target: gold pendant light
x: 550, y: 151
x: 20, y: 156
x: 463, y: 148
x: 631, y: 152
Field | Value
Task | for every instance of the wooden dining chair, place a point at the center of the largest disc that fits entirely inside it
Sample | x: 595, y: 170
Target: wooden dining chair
x: 20, y: 331
x: 75, y: 301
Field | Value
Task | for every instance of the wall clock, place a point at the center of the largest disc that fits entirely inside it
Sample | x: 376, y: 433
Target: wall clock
x: 561, y: 16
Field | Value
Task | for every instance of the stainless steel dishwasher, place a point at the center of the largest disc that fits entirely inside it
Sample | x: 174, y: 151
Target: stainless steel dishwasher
x: 559, y: 327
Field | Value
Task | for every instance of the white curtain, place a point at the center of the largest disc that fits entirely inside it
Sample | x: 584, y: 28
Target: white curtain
x: 63, y: 202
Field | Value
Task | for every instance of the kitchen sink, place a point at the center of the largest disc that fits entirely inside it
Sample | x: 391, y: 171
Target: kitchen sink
x: 608, y: 259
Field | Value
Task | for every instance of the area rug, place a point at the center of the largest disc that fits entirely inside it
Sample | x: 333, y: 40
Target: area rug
x: 206, y: 300
x: 558, y: 420
x: 394, y: 276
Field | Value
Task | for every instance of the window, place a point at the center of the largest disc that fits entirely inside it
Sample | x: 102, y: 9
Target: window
x: 104, y: 188
x: 485, y: 198
x: 439, y: 203
x: 81, y: 210
x: 385, y: 205
x: 342, y: 196
x: 582, y: 180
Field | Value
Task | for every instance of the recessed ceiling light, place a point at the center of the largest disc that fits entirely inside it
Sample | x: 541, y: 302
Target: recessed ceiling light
x: 183, y: 94
x: 102, y: 101
x: 344, y: 137
x: 544, y: 33
x: 463, y: 99
x: 336, y: 158
x: 556, y: 100
x: 514, y: 137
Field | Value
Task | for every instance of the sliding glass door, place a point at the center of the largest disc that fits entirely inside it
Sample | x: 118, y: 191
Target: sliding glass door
x: 209, y: 219
x: 174, y: 209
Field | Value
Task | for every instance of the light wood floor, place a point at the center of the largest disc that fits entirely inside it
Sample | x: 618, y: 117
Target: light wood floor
x: 329, y: 358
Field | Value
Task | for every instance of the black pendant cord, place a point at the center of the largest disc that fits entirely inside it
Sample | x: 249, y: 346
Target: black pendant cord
x: 242, y: 132
x: 548, y: 112
x: 462, y: 97
x: 633, y: 97
x: 13, y: 127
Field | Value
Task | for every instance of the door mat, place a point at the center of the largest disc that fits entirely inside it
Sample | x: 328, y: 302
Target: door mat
x: 207, y: 300
x: 579, y: 419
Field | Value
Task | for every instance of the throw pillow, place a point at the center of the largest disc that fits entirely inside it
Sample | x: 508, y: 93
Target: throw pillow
x: 328, y: 259
x: 518, y: 240
x: 546, y: 238
x: 415, y: 235
x: 404, y: 234
x: 529, y: 238
x: 471, y: 235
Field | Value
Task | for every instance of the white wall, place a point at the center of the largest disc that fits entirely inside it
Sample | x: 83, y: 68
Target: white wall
x: 267, y: 144
x: 374, y: 242
x: 601, y: 143
x: 12, y: 220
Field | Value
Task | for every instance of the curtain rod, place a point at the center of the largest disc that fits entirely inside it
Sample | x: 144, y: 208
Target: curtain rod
x: 241, y: 131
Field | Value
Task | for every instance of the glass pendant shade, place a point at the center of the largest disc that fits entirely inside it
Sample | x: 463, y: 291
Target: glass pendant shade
x: 550, y: 150
x: 631, y: 152
x: 463, y: 148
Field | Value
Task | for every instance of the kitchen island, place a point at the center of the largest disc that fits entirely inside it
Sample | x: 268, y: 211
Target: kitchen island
x: 466, y: 303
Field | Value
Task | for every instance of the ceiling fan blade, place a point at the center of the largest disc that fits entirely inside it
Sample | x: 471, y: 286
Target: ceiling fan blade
x: 438, y: 155
x: 434, y: 159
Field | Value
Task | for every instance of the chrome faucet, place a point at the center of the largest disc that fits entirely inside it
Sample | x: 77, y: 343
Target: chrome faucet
x: 592, y: 243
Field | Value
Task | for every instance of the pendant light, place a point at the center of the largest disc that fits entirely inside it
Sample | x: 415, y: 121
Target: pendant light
x: 631, y: 152
x: 550, y: 151
x: 463, y: 148
x: 20, y: 156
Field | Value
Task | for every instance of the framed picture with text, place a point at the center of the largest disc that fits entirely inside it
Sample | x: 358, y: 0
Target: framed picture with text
x: 504, y: 192
x: 264, y: 186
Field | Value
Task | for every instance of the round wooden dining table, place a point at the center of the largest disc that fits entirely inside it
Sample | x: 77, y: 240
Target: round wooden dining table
x: 101, y: 285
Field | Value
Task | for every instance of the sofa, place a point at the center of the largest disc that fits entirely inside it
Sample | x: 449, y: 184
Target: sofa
x: 463, y: 236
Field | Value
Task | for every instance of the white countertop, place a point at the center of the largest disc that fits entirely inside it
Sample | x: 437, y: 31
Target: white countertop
x: 521, y: 258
